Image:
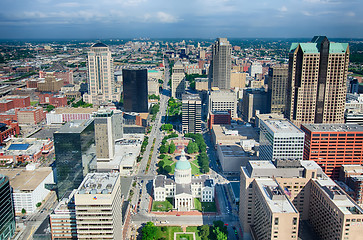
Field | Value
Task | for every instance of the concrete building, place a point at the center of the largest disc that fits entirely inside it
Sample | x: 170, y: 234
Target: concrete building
x: 98, y: 207
x: 178, y: 80
x: 333, y: 145
x: 65, y: 75
x: 280, y: 140
x: 232, y: 134
x: 73, y: 154
x: 135, y: 90
x: 352, y: 176
x: 253, y: 101
x: 238, y: 79
x: 101, y: 80
x: 221, y: 64
x: 317, y: 81
x: 303, y: 187
x: 67, y: 114
x: 153, y: 86
x: 201, y: 84
x: 108, y: 129
x: 7, y: 216
x: 254, y: 69
x: 185, y: 187
x: 28, y: 186
x: 277, y: 87
x: 191, y: 113
x: 223, y: 100
x: 49, y: 83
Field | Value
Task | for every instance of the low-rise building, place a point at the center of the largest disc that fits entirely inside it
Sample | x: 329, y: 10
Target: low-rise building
x: 8, y: 129
x: 30, y: 115
x: 352, y: 176
x: 52, y: 99
x: 219, y: 118
x: 201, y: 84
x: 66, y: 114
x: 28, y: 186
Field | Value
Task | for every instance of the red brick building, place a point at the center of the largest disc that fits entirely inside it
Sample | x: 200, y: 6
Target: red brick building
x: 332, y: 145
x: 10, y: 102
x: 352, y: 175
x: 30, y: 115
x: 55, y: 100
x: 7, y: 129
x: 219, y: 118
x: 6, y: 105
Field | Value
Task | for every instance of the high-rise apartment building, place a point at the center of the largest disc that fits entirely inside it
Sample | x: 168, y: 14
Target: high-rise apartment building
x: 72, y: 143
x: 332, y: 145
x: 108, y: 129
x: 223, y: 100
x: 135, y: 89
x: 317, y: 81
x: 101, y: 80
x: 277, y: 87
x: 178, y: 80
x: 280, y: 140
x: 273, y: 200
x: 221, y: 64
x: 98, y: 207
x: 7, y: 215
x: 191, y: 113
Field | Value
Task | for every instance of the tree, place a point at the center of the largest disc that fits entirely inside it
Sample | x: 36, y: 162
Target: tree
x: 23, y: 211
x: 220, y: 224
x: 167, y: 127
x: 172, y: 147
x: 161, y: 164
x: 50, y: 108
x: 204, y: 232
x: 167, y: 169
x: 163, y: 149
x: 38, y: 204
x: 149, y: 231
x: 192, y: 147
x: 219, y: 234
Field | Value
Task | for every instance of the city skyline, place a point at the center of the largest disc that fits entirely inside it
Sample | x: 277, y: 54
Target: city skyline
x: 206, y: 19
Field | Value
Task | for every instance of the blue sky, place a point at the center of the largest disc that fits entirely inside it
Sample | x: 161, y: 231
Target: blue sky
x: 180, y: 18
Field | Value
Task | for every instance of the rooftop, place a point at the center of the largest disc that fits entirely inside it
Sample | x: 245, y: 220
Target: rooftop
x: 282, y: 126
x: 233, y: 151
x: 74, y: 126
x: 98, y: 183
x: 99, y: 44
x: 26, y: 180
x: 333, y: 127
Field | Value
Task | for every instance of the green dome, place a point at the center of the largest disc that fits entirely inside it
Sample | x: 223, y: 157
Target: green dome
x: 182, y: 165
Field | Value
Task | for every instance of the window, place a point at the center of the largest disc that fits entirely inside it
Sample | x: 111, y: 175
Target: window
x: 276, y: 221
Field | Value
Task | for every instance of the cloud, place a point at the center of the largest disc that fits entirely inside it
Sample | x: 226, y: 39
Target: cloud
x: 351, y: 14
x: 283, y: 9
x: 323, y: 1
x: 166, y: 17
x: 68, y: 4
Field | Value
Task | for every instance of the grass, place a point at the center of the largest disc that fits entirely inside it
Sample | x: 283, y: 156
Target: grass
x: 34, y: 103
x: 167, y: 232
x: 195, y: 169
x: 163, y: 206
x: 195, y: 230
x: 184, y: 236
x: 206, y: 206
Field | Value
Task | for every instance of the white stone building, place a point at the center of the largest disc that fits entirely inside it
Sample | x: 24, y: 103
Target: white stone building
x: 185, y: 187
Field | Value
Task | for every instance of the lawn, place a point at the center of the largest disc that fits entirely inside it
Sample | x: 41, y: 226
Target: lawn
x: 195, y: 169
x: 204, y: 206
x: 184, y: 237
x: 167, y: 232
x: 163, y: 206
x: 194, y: 229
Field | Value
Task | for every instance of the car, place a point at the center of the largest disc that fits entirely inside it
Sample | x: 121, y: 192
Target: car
x: 178, y: 215
x: 226, y: 224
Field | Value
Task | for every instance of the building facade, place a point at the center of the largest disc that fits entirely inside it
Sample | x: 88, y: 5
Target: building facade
x: 191, y: 113
x: 223, y: 100
x: 178, y: 80
x: 7, y: 215
x: 280, y: 140
x: 277, y: 86
x: 317, y: 81
x: 332, y: 145
x: 254, y: 101
x: 221, y: 64
x: 135, y: 90
x: 101, y: 80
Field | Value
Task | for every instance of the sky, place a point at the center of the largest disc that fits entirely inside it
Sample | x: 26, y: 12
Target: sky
x: 102, y: 19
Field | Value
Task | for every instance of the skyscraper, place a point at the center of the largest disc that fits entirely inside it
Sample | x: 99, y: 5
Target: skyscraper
x: 221, y: 64
x: 135, y: 90
x: 317, y: 81
x: 7, y: 216
x: 191, y: 113
x: 101, y: 81
x: 277, y: 85
x: 108, y: 128
x: 177, y: 80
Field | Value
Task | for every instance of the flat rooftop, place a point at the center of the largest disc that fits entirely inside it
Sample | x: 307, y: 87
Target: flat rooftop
x: 74, y: 126
x: 282, y: 126
x: 98, y: 183
x: 26, y: 180
x: 274, y: 197
x: 74, y: 110
x: 233, y: 151
x: 333, y: 127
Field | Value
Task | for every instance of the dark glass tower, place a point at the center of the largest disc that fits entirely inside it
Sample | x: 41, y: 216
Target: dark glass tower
x: 135, y: 90
x: 72, y: 154
x: 7, y: 216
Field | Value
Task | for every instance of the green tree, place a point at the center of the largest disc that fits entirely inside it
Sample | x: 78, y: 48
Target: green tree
x: 164, y: 148
x: 149, y: 231
x: 192, y: 147
x: 167, y: 169
x: 161, y: 164
x: 220, y: 224
x: 38, y: 204
x: 219, y: 234
x: 204, y: 232
x: 50, y: 108
x: 23, y: 211
x: 172, y: 147
x: 167, y: 127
